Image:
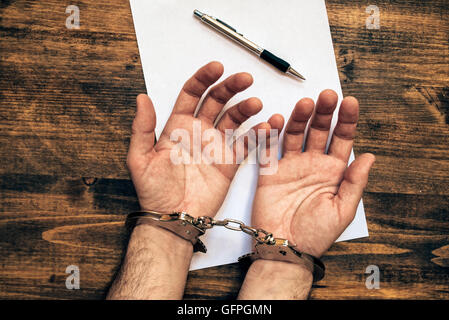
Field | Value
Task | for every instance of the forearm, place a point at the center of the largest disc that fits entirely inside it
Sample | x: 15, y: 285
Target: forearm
x: 276, y: 280
x: 155, y: 267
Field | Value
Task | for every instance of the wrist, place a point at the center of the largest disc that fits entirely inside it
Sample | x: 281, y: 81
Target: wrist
x: 159, y: 239
x: 155, y: 266
x: 278, y: 270
x: 271, y: 279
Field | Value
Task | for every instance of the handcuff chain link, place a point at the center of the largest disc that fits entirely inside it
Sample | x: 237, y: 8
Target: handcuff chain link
x: 260, y: 235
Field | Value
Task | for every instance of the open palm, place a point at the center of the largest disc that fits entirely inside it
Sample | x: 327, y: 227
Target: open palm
x: 313, y: 196
x: 194, y: 186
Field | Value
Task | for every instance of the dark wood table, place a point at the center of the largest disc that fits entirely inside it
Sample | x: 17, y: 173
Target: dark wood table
x: 67, y: 100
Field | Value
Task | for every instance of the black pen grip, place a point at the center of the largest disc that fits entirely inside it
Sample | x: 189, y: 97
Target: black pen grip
x: 275, y: 61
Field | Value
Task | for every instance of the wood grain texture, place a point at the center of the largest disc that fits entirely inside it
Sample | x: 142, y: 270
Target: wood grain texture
x: 67, y: 99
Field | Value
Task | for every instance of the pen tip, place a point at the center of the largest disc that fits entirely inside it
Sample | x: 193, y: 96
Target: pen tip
x: 295, y: 73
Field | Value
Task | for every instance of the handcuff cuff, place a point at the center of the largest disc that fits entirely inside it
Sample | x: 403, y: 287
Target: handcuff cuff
x: 267, y: 246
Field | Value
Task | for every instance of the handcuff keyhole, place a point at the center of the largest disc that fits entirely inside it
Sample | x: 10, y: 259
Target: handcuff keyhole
x: 283, y: 252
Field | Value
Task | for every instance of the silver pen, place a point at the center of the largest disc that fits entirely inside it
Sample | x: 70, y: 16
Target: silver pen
x: 232, y: 33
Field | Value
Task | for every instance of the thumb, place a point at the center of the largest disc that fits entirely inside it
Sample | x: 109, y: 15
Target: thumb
x: 351, y: 188
x: 142, y: 138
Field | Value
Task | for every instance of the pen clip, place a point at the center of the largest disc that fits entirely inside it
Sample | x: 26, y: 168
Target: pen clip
x: 227, y: 25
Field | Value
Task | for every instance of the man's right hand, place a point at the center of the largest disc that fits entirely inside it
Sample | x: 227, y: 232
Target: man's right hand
x: 312, y: 197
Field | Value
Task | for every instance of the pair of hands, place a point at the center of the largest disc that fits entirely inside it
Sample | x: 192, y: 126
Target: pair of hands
x: 311, y: 198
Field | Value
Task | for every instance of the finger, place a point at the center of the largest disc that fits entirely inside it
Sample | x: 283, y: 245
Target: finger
x: 221, y: 93
x: 195, y: 87
x: 266, y: 135
x: 344, y: 132
x: 351, y: 188
x: 296, y: 126
x: 236, y: 115
x: 271, y: 143
x: 143, y: 136
x: 276, y: 122
x: 321, y: 122
x: 248, y: 141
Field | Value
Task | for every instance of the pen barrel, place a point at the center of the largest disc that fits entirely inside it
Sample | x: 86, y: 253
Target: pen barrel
x: 231, y: 33
x: 275, y: 61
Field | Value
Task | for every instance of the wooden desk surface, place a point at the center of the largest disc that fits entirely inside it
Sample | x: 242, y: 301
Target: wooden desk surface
x: 67, y: 101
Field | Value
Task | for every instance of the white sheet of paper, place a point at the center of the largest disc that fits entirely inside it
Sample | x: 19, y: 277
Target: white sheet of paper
x: 173, y: 45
